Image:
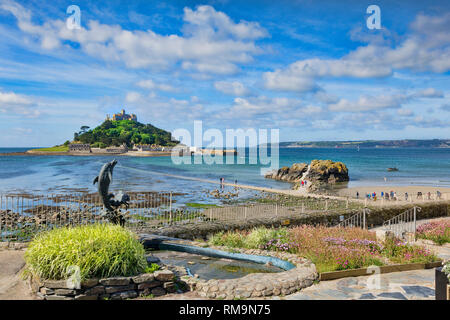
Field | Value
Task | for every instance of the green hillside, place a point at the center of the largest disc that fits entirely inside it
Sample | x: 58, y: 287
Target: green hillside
x: 115, y: 133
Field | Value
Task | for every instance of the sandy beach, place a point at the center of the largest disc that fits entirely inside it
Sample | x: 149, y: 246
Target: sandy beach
x: 400, y: 190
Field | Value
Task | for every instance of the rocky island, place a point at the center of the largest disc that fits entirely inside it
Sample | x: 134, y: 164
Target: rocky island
x: 318, y: 173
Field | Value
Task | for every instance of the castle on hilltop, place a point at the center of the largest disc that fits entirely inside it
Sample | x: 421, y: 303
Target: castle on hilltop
x: 122, y: 116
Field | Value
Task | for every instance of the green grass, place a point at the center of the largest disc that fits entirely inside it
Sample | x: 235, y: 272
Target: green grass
x: 53, y: 149
x: 99, y: 250
x: 151, y: 268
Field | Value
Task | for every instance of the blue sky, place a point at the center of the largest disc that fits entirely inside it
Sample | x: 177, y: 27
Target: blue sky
x: 309, y: 68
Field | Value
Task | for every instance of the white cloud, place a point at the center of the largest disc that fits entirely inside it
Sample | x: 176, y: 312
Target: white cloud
x: 425, y: 49
x: 429, y: 93
x: 133, y: 96
x: 211, y: 42
x: 367, y: 103
x: 151, y: 85
x: 234, y: 88
x: 11, y: 99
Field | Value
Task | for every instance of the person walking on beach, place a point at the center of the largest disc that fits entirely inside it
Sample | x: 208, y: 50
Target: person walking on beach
x: 406, y: 196
x: 357, y: 195
x: 303, y: 183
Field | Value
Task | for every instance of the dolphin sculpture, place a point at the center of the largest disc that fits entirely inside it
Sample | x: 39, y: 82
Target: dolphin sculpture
x: 104, y: 179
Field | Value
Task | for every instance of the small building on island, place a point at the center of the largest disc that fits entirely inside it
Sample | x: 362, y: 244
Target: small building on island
x: 122, y: 149
x: 80, y: 147
x: 122, y: 116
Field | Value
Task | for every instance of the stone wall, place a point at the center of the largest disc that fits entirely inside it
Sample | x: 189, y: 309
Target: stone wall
x: 258, y: 284
x: 116, y: 288
x: 12, y: 245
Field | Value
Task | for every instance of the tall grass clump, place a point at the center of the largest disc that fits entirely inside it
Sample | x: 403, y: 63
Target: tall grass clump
x: 257, y: 238
x: 99, y: 250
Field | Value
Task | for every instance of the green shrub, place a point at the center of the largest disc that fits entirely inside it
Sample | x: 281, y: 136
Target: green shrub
x: 229, y: 239
x: 258, y: 237
x: 151, y: 268
x: 99, y: 250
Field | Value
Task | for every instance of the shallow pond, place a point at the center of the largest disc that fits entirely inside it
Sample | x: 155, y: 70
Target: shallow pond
x: 212, y: 268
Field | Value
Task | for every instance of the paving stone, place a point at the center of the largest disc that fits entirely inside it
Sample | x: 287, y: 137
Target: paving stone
x: 367, y: 296
x: 392, y: 295
x: 419, y: 291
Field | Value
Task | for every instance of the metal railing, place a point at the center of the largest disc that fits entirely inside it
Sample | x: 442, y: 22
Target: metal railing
x: 23, y: 216
x: 358, y: 220
x: 404, y: 222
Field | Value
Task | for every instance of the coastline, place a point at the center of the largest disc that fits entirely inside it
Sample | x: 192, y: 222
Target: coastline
x: 49, y: 153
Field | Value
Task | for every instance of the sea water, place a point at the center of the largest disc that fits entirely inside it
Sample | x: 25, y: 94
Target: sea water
x: 69, y: 174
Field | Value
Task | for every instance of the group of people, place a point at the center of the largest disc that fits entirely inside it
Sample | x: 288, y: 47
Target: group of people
x: 392, y: 195
x: 303, y: 183
x: 222, y: 184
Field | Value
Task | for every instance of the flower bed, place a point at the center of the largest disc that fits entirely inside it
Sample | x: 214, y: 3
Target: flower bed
x: 436, y: 231
x: 330, y: 249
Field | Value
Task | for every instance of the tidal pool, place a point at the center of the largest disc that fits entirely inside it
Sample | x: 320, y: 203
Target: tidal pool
x: 212, y: 268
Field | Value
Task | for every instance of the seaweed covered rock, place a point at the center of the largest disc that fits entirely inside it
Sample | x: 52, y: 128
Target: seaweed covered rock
x: 319, y: 174
x: 327, y: 171
x: 288, y: 174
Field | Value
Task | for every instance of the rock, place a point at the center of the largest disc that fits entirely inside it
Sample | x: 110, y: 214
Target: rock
x: 382, y: 235
x: 292, y: 174
x: 55, y: 297
x: 114, y: 289
x: 65, y: 292
x: 164, y: 275
x: 117, y: 281
x: 170, y: 287
x: 89, y: 283
x: 57, y: 284
x: 86, y: 297
x: 98, y: 290
x: 145, y: 277
x: 46, y: 291
x: 152, y: 259
x: 124, y: 295
x: 158, y: 291
x: 327, y: 171
x: 147, y: 285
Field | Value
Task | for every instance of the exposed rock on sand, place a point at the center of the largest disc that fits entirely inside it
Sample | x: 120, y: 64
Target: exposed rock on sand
x: 289, y: 174
x: 317, y: 173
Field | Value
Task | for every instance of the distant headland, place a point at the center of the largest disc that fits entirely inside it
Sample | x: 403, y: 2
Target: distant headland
x: 405, y: 143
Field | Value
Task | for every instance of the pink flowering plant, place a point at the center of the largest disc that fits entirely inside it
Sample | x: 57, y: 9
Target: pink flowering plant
x: 398, y: 251
x: 330, y: 249
x: 437, y: 231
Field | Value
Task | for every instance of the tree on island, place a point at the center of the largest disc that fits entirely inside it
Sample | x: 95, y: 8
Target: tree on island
x: 116, y: 133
